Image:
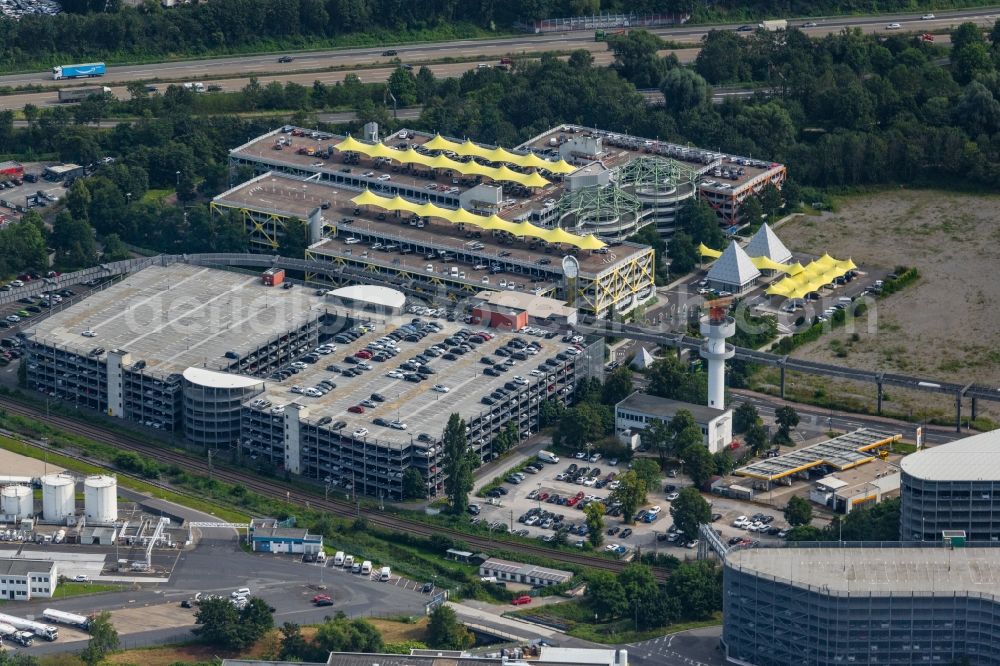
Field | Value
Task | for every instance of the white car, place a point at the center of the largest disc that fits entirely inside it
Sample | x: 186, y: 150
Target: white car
x: 441, y: 388
x: 395, y: 374
x: 17, y: 283
x: 520, y: 380
x: 384, y: 177
x: 654, y: 510
x: 535, y: 373
x: 893, y: 26
x: 672, y: 496
x: 80, y: 578
x: 299, y: 365
x: 740, y: 522
x: 360, y: 432
x: 927, y: 17
x: 352, y: 240
x: 89, y: 334
x: 13, y: 319
x: 397, y: 425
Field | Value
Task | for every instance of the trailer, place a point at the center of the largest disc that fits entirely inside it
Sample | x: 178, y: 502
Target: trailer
x: 83, y: 71
x: 9, y: 632
x: 68, y: 95
x: 62, y: 617
x: 46, y: 631
x: 775, y: 25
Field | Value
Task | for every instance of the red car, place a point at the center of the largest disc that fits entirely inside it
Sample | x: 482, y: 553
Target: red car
x: 542, y: 497
x: 356, y: 409
x: 364, y: 353
x: 521, y: 600
x: 320, y: 597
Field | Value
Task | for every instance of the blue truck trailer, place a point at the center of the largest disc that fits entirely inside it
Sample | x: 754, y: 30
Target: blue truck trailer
x: 78, y: 71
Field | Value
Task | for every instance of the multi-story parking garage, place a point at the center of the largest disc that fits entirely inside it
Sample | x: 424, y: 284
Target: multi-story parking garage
x: 831, y: 604
x: 198, y: 351
x: 952, y: 487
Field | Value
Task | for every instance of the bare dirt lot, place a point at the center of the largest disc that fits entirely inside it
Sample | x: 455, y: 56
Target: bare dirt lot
x: 14, y: 464
x: 945, y: 326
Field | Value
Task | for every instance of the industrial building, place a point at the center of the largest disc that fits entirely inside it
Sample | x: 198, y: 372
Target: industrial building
x: 830, y: 604
x: 195, y: 351
x: 267, y: 535
x: 23, y: 580
x: 529, y: 655
x: 526, y: 574
x: 954, y: 486
x: 634, y: 414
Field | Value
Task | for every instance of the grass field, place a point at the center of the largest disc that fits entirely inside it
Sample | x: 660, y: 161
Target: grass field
x: 71, y: 589
x: 945, y: 326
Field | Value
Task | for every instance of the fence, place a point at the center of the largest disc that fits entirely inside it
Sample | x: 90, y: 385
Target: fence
x: 603, y: 22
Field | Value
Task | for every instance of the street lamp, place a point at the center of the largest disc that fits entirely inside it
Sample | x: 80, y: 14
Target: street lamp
x: 178, y: 179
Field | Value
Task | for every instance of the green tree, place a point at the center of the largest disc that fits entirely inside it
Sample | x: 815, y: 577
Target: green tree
x: 445, y: 632
x: 103, y: 640
x: 295, y: 238
x: 594, y: 518
x: 751, y: 211
x: 631, y: 493
x: 403, y: 85
x: 684, y: 89
x: 744, y: 416
x: 340, y: 634
x: 294, y: 646
x: 698, y: 587
x: 606, y: 595
x: 698, y: 463
x: 755, y: 438
x: 636, y: 58
x: 73, y: 241
x: 649, y: 472
x: 682, y: 253
x: 658, y: 437
x: 458, y: 471
x: 690, y: 510
x: 414, y: 485
x: 684, y: 432
x: 218, y: 623
x: 550, y: 413
x: 798, y: 511
x: 114, y: 249
x: 787, y: 418
x: 771, y: 202
x: 669, y: 378
x: 617, y: 386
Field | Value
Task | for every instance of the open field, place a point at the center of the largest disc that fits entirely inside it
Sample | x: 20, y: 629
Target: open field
x: 947, y: 324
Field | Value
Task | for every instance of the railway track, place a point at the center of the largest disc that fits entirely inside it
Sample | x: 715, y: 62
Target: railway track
x: 298, y: 496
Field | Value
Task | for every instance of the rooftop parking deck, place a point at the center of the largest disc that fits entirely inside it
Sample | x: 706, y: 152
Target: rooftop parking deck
x: 418, y: 405
x: 280, y: 195
x: 885, y: 571
x: 178, y: 317
x: 459, y: 238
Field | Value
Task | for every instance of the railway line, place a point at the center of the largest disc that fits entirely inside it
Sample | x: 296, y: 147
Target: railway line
x: 298, y: 496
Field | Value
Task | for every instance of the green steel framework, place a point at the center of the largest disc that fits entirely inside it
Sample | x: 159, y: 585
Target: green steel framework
x: 606, y: 201
x: 655, y: 173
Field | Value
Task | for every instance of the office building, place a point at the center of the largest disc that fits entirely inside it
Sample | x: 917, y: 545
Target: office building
x: 634, y: 413
x: 23, y: 580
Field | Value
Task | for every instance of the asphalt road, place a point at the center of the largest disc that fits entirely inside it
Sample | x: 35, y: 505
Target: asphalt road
x: 698, y: 647
x: 233, y: 73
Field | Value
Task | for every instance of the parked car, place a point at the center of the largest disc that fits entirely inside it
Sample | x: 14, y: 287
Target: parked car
x: 521, y: 600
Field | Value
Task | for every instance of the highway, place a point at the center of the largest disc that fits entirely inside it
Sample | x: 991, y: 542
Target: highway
x: 232, y: 73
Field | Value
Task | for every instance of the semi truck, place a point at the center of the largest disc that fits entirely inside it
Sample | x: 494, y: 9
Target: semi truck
x: 12, y: 633
x: 62, y: 617
x: 83, y: 71
x: 775, y: 25
x: 67, y: 95
x: 46, y: 631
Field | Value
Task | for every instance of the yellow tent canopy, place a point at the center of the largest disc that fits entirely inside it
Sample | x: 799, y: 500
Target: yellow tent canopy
x: 353, y: 145
x: 528, y: 229
x: 382, y: 150
x: 399, y: 203
x: 367, y: 198
x: 766, y: 263
x: 562, y: 166
x: 706, y: 251
x: 534, y: 161
x: 559, y: 235
x: 469, y: 148
x: 590, y: 242
x: 534, y: 179
x: 441, y: 143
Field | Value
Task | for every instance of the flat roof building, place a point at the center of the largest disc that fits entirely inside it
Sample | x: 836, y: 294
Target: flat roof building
x: 832, y: 604
x: 527, y: 574
x: 856, y: 487
x: 267, y: 535
x: 634, y: 413
x: 954, y: 486
x: 22, y: 580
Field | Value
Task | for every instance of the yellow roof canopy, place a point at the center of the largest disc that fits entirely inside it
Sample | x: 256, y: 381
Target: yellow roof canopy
x: 706, y: 251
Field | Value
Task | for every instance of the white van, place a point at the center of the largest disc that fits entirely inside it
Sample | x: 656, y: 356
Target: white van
x: 242, y: 592
x: 366, y: 567
x: 321, y: 556
x: 348, y: 561
x: 384, y: 574
x: 338, y: 559
x: 845, y: 300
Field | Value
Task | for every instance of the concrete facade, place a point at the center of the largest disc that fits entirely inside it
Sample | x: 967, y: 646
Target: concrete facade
x: 634, y: 413
x: 22, y: 580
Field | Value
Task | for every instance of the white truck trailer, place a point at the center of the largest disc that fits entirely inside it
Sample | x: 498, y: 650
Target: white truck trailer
x: 62, y: 617
x: 46, y: 631
x: 10, y: 633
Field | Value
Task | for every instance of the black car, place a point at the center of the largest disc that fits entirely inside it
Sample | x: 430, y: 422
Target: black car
x: 490, y: 372
x: 449, y: 357
x: 377, y: 397
x: 427, y: 588
x: 379, y: 421
x: 487, y: 400
x: 338, y: 425
x: 486, y: 360
x: 745, y: 28
x: 285, y: 59
x: 389, y: 52
x: 186, y: 603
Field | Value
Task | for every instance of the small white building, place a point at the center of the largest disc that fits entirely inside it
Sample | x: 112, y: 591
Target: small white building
x: 863, y: 485
x: 23, y: 580
x: 733, y: 271
x: 528, y: 574
x: 633, y: 414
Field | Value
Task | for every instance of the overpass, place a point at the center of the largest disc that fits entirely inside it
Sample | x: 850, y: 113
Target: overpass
x: 587, y: 325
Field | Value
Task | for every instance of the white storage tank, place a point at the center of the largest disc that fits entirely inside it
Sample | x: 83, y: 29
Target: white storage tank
x: 100, y: 499
x: 58, y: 497
x: 18, y: 501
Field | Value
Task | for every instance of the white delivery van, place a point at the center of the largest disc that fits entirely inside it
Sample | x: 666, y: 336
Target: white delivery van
x: 385, y: 574
x: 366, y: 567
x: 338, y: 559
x: 548, y: 457
x: 321, y: 556
x: 348, y: 561
x: 242, y: 592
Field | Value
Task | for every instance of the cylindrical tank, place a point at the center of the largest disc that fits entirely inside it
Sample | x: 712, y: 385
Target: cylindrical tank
x: 100, y: 499
x: 58, y: 497
x: 18, y: 501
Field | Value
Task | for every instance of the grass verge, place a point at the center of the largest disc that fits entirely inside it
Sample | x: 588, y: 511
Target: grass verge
x: 579, y: 620
x: 73, y: 589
